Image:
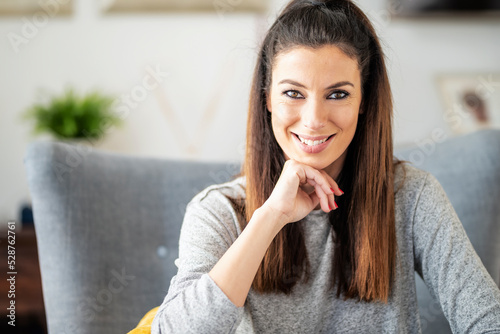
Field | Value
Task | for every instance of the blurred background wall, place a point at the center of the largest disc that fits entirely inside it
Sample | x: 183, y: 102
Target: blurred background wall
x: 203, y: 64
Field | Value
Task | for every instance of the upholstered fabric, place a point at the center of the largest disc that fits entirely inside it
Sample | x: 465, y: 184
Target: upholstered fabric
x: 108, y: 225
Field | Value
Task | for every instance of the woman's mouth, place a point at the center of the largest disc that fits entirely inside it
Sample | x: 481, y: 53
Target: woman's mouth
x: 311, y: 144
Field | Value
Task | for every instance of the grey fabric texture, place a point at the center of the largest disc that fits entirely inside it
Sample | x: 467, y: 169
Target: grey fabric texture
x: 468, y: 168
x: 108, y: 227
x: 101, y: 218
x: 431, y: 240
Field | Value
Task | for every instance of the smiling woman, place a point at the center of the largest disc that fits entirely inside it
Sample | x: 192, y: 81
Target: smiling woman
x: 314, y: 103
x: 329, y: 49
x: 282, y: 249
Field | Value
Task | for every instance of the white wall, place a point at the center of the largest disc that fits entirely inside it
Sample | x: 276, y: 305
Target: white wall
x: 418, y: 50
x: 204, y: 55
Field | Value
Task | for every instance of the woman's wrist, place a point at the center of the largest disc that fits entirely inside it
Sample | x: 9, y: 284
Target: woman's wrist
x: 272, y: 216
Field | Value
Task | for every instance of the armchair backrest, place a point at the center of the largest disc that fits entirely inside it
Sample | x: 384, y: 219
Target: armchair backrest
x: 107, y: 227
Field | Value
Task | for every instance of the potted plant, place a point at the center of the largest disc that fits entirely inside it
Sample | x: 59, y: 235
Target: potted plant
x: 71, y: 117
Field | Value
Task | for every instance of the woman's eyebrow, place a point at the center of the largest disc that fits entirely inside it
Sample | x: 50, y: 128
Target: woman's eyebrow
x: 335, y: 85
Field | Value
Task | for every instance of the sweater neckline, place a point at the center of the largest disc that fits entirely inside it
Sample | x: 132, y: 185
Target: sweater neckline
x: 317, y: 213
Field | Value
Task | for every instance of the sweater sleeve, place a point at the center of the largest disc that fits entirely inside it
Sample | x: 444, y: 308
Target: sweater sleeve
x: 450, y: 267
x: 194, y: 303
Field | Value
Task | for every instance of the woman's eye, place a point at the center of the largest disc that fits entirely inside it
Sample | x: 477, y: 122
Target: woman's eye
x: 338, y: 95
x: 293, y: 94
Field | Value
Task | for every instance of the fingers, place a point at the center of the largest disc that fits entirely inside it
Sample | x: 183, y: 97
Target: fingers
x: 314, y: 198
x: 325, y: 187
x: 324, y: 199
x: 316, y: 178
x: 334, y: 186
x: 336, y: 191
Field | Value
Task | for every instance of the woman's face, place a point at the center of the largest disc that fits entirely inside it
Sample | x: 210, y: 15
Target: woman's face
x: 314, y: 102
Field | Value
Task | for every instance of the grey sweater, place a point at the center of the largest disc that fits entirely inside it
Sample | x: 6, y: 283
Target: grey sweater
x: 431, y: 241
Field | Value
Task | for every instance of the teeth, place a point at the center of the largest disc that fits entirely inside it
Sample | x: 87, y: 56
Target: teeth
x: 312, y: 142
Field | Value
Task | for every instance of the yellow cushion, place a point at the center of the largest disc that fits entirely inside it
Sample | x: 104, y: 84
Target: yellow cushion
x: 144, y: 326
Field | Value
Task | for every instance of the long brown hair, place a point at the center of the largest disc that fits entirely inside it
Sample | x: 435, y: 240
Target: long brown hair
x: 363, y: 227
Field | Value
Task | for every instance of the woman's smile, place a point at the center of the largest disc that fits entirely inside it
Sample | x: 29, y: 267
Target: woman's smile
x: 314, y: 101
x: 312, y: 144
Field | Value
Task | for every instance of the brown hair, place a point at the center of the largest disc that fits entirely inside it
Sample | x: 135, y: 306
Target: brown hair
x: 364, y: 224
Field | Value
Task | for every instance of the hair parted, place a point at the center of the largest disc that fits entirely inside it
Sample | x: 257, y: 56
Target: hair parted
x: 364, y: 224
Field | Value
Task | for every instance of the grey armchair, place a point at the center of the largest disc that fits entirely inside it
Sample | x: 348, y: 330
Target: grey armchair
x: 108, y: 225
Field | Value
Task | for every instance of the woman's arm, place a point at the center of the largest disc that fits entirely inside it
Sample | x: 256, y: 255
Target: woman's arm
x: 217, y: 266
x: 194, y: 303
x: 235, y: 271
x: 450, y: 267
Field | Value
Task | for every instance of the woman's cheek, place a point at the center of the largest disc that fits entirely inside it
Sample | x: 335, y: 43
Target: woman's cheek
x: 288, y: 112
x: 345, y: 115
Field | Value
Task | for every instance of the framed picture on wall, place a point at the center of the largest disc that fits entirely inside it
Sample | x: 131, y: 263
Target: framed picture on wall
x: 24, y: 7
x: 470, y: 101
x: 225, y: 6
x: 440, y: 8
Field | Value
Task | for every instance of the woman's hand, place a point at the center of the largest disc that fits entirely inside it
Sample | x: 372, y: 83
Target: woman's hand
x: 300, y: 189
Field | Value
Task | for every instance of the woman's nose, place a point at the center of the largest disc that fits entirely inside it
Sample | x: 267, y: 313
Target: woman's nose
x: 315, y: 115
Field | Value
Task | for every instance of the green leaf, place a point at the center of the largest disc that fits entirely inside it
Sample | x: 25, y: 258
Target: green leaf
x: 72, y: 116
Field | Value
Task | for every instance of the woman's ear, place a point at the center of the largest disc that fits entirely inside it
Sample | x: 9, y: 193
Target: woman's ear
x: 268, y: 102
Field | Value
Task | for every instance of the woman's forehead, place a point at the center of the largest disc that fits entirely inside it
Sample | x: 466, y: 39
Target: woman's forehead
x: 313, y: 64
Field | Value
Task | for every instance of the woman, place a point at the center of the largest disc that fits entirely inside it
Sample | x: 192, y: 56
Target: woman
x: 324, y: 230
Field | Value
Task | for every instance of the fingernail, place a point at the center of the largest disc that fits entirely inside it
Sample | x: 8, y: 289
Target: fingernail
x: 341, y: 191
x: 336, y: 206
x: 329, y: 207
x: 332, y: 190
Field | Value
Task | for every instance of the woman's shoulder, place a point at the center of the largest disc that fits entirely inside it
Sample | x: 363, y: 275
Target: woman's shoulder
x: 222, y: 196
x: 410, y: 182
x: 407, y: 176
x: 213, y: 218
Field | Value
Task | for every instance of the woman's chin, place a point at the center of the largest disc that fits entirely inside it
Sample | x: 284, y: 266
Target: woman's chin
x: 321, y: 163
x: 314, y: 162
